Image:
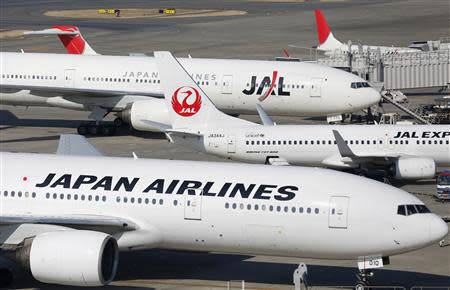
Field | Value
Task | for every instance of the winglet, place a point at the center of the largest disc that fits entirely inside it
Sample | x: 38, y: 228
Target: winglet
x: 265, y: 119
x: 70, y: 144
x: 344, y: 150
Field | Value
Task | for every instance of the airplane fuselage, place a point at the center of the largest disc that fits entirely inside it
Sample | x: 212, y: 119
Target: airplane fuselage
x: 315, y: 145
x: 289, y: 211
x: 235, y: 86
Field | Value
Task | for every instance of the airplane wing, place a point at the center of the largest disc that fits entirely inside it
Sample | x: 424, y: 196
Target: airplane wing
x: 70, y: 144
x: 76, y: 92
x: 85, y: 221
x: 346, y: 152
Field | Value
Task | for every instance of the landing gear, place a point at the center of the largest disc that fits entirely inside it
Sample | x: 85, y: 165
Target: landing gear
x: 118, y: 122
x: 96, y: 129
x: 363, y: 279
x: 300, y: 277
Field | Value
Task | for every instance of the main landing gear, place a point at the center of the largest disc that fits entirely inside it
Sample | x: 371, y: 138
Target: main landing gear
x: 98, y: 128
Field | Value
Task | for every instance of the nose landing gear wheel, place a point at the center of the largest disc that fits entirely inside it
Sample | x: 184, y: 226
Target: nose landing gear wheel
x: 363, y: 279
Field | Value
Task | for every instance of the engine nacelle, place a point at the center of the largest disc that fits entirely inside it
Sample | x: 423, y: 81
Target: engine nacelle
x: 74, y: 257
x: 141, y: 114
x: 414, y: 168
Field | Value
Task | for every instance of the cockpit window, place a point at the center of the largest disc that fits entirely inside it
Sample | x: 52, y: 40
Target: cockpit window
x: 401, y: 210
x: 422, y: 209
x: 411, y: 209
x: 358, y: 85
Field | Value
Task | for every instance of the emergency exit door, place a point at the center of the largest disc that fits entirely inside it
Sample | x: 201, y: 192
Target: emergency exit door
x: 338, y: 213
x: 231, y: 144
x: 69, y: 78
x: 227, y: 84
x: 316, y: 87
x: 193, y: 205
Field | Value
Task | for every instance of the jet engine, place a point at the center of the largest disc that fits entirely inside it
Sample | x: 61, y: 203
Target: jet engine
x: 146, y: 115
x: 414, y: 168
x: 74, y: 257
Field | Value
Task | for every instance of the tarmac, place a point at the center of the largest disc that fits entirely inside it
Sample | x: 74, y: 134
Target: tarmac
x: 262, y: 33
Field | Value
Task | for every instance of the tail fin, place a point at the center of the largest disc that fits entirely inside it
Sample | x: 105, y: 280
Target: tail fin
x: 324, y: 34
x: 189, y: 106
x: 71, y: 38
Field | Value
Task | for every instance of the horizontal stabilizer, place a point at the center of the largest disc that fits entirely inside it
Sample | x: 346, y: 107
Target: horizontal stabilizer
x: 184, y: 132
x: 265, y: 119
x: 76, y: 145
x: 160, y: 126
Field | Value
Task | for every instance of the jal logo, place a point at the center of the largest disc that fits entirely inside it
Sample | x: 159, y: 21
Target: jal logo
x: 186, y: 101
x: 268, y: 84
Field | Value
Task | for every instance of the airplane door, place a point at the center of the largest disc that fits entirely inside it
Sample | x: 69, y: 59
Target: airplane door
x: 69, y: 78
x: 193, y: 206
x: 227, y: 84
x: 231, y: 144
x: 316, y: 87
x: 338, y: 211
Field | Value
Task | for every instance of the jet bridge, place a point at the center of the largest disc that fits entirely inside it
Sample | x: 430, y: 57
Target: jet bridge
x: 400, y: 71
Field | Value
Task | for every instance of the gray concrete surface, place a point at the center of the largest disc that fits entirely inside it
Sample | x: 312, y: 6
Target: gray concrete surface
x: 261, y: 34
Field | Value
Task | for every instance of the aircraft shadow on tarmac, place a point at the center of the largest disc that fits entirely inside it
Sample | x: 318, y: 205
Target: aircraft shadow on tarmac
x: 9, y: 121
x: 174, y: 265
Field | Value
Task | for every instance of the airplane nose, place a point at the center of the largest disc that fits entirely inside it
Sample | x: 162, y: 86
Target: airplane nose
x: 438, y: 228
x: 375, y: 95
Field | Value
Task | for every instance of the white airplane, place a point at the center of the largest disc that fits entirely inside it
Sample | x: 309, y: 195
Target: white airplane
x: 405, y: 152
x: 65, y: 217
x: 71, y: 38
x: 329, y: 44
x: 130, y: 86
